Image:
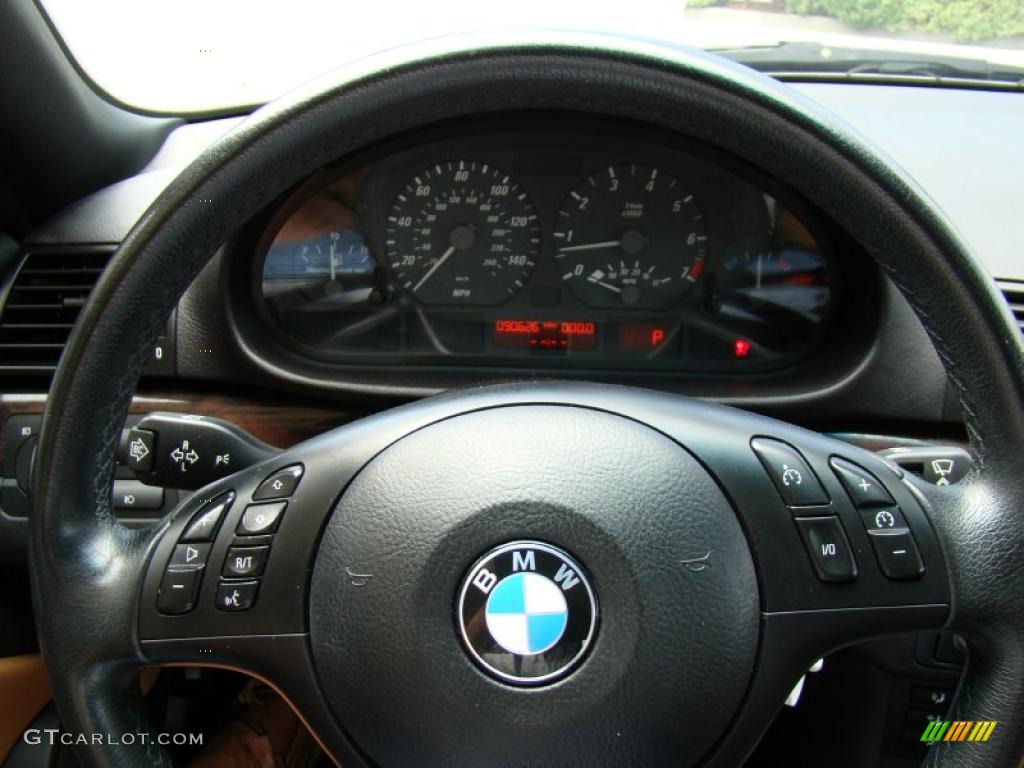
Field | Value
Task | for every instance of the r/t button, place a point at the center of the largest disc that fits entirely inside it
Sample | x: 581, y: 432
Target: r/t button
x: 245, y: 561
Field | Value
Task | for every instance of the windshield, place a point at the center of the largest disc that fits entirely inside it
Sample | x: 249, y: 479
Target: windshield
x: 193, y: 56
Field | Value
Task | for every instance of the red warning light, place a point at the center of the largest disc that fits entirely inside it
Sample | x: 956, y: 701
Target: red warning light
x: 740, y: 348
x: 657, y: 336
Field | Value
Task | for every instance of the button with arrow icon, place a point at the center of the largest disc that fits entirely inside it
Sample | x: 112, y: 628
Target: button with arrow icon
x: 191, y: 451
x: 184, y: 456
x: 279, y: 485
x: 191, y: 555
x: 136, y: 449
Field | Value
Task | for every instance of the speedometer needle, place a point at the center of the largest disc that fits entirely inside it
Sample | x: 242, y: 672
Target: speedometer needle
x: 591, y: 246
x: 433, y: 269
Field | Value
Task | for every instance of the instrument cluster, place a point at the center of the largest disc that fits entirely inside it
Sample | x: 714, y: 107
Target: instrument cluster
x: 545, y: 247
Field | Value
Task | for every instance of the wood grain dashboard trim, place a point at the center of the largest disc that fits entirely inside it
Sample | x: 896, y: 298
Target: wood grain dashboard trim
x: 277, y: 423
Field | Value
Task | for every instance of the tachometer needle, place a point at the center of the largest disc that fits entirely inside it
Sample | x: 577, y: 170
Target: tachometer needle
x: 609, y: 286
x: 591, y: 246
x: 433, y: 269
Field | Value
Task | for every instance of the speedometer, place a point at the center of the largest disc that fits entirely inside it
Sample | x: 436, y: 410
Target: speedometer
x: 462, y: 232
x: 630, y: 236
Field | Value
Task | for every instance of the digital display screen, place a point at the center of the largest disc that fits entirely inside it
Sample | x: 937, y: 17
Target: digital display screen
x: 545, y: 334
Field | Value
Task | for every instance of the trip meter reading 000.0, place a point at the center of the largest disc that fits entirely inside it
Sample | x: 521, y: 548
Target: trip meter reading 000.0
x: 462, y: 233
x: 630, y: 236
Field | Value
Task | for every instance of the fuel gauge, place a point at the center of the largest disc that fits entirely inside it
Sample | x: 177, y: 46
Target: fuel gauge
x: 336, y: 267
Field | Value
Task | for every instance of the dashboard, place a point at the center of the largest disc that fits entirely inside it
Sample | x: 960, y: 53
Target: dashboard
x: 505, y: 249
x: 550, y: 244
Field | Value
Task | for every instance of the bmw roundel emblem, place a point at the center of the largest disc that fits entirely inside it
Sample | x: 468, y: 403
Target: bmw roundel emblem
x: 527, y: 612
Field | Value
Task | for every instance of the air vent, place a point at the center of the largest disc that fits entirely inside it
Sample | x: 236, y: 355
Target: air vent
x: 1013, y: 290
x: 43, y: 302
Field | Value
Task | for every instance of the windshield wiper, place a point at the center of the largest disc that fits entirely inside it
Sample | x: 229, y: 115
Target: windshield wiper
x: 814, y: 61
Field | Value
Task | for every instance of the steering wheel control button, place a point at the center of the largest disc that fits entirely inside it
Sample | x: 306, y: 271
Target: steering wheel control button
x: 527, y: 612
x: 828, y: 548
x: 259, y: 519
x: 242, y: 562
x: 796, y: 481
x: 178, y: 590
x: 204, y: 523
x: 131, y: 494
x: 190, y: 555
x: 279, y: 485
x: 897, y: 554
x: 882, y: 518
x: 864, y: 488
x: 136, y: 449
x: 237, y: 595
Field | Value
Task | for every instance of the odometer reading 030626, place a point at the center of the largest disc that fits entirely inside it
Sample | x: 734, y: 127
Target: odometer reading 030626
x: 630, y: 237
x: 462, y: 232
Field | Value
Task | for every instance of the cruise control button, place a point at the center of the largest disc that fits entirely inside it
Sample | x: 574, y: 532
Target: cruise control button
x: 237, y: 595
x: 245, y: 561
x: 178, y: 590
x: 204, y: 523
x: 279, y: 485
x: 828, y: 548
x: 864, y: 488
x: 897, y: 554
x: 261, y: 518
x: 795, y: 480
x: 882, y: 518
x: 131, y: 494
x: 193, y: 555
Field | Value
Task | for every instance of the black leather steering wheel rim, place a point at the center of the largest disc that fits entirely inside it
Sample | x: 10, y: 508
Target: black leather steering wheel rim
x: 83, y: 561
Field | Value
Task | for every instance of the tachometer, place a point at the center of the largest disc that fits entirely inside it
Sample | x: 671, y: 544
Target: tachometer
x: 630, y: 236
x: 462, y: 232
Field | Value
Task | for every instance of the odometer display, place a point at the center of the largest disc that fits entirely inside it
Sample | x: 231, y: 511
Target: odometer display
x: 562, y: 335
x: 462, y: 233
x: 630, y: 237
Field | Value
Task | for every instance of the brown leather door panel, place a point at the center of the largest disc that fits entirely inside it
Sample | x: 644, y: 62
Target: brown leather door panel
x: 24, y: 691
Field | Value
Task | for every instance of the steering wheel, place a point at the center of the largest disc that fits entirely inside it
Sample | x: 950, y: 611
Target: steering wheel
x: 534, y: 573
